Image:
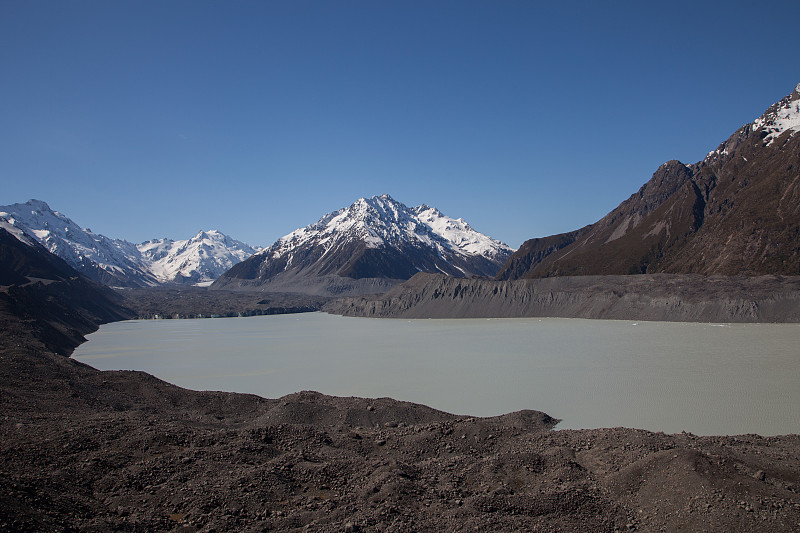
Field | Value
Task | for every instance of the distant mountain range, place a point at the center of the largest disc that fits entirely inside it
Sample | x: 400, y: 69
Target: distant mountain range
x: 735, y: 212
x: 368, y: 247
x: 115, y: 262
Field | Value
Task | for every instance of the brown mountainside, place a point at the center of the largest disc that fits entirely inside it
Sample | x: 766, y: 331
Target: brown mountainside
x: 735, y: 212
x: 49, y: 298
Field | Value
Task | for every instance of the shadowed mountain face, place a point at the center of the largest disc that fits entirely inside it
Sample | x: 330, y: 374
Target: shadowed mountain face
x: 58, y: 305
x: 735, y: 212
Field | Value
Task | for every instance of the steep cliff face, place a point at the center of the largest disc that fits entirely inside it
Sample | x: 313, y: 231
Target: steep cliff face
x: 664, y: 297
x: 735, y: 212
x: 534, y: 251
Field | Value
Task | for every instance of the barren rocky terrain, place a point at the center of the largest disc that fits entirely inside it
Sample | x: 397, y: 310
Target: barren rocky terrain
x: 199, y: 302
x: 84, y: 450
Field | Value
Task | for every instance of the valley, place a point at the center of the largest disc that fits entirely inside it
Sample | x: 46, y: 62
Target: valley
x: 92, y: 450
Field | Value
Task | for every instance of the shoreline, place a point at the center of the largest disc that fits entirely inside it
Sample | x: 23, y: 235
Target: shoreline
x: 486, y: 367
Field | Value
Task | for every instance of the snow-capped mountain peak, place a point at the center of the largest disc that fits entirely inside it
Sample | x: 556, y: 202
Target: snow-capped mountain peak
x: 108, y: 260
x: 373, y: 238
x: 118, y: 262
x: 382, y: 221
x: 199, y: 260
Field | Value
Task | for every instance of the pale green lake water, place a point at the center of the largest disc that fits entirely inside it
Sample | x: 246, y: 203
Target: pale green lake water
x: 706, y: 379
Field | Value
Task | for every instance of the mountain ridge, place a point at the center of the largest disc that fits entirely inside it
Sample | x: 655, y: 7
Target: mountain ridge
x: 734, y: 212
x: 198, y: 260
x: 116, y: 262
x: 372, y: 244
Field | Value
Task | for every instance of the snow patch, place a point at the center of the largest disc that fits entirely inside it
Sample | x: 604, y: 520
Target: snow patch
x: 8, y: 225
x: 785, y: 117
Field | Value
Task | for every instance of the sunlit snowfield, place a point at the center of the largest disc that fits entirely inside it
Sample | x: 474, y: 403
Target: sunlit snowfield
x: 701, y: 378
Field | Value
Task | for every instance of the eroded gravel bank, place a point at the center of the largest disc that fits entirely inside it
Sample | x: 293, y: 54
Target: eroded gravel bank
x: 662, y: 297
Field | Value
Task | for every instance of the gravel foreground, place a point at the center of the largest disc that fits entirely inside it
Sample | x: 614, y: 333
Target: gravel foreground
x: 84, y: 450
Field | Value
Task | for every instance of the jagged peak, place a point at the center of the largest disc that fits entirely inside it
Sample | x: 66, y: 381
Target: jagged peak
x: 38, y: 205
x: 422, y: 208
x: 378, y: 202
x: 381, y: 221
x: 781, y: 117
x: 39, y: 211
x: 208, y: 234
x: 392, y: 238
x: 671, y: 163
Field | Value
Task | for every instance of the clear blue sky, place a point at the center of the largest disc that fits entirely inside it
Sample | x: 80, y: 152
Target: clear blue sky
x: 142, y: 119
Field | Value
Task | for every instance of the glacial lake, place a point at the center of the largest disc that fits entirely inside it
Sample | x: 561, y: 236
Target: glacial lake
x: 707, y: 379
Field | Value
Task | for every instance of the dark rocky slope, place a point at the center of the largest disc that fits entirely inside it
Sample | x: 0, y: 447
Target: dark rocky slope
x: 48, y: 295
x: 665, y: 297
x: 735, y: 212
